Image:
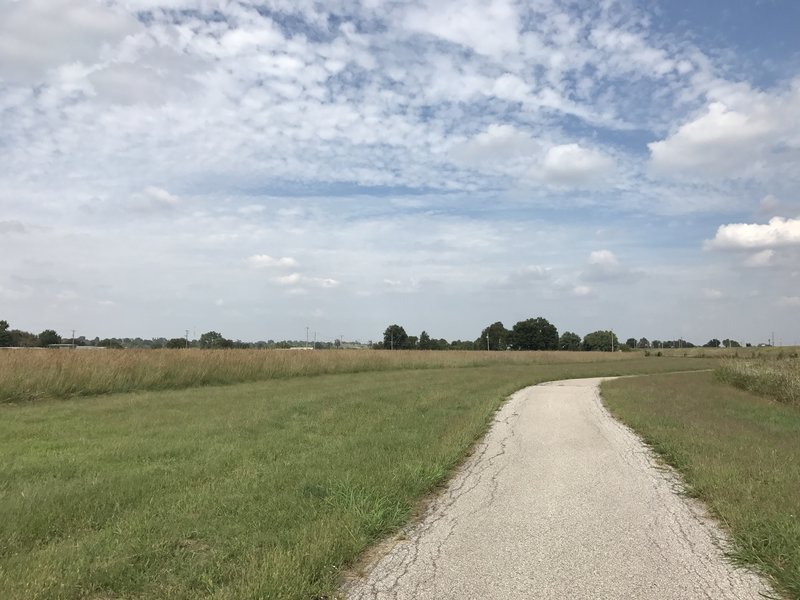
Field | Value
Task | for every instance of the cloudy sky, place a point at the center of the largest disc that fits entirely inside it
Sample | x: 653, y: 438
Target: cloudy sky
x: 258, y: 167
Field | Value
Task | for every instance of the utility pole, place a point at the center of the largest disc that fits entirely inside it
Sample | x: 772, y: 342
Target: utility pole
x: 306, y: 336
x: 315, y: 340
x: 487, y: 341
x: 73, y: 338
x: 187, y: 338
x: 612, y: 341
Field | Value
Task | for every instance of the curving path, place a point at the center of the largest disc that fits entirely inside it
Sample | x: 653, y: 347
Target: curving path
x: 558, y: 501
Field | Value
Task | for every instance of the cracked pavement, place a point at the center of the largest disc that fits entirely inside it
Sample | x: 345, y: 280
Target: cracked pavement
x: 559, y: 500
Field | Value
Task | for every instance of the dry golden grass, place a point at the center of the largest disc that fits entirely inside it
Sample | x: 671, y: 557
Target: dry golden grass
x: 33, y: 374
x: 778, y: 379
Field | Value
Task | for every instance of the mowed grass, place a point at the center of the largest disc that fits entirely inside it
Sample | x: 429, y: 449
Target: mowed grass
x: 738, y: 452
x: 257, y: 490
x: 32, y: 374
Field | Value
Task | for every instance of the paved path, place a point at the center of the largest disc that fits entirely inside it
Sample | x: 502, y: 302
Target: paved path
x: 559, y: 501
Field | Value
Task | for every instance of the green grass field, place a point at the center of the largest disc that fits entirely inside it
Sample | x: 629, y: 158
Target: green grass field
x: 738, y: 452
x: 256, y: 490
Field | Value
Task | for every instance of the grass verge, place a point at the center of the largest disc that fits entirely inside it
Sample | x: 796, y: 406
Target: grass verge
x: 258, y: 490
x: 737, y: 452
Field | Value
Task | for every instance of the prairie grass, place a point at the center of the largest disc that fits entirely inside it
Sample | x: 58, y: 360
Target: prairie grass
x: 776, y: 379
x: 258, y: 490
x: 33, y: 374
x: 738, y: 452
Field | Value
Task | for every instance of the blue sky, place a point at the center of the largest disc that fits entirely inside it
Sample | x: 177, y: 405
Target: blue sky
x: 258, y: 167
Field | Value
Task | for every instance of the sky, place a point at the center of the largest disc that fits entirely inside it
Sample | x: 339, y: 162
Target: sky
x: 256, y: 168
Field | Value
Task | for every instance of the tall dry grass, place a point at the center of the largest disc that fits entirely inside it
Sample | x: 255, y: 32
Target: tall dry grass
x: 778, y: 378
x: 33, y: 374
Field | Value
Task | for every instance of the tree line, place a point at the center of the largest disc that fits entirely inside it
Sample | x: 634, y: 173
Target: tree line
x: 531, y: 334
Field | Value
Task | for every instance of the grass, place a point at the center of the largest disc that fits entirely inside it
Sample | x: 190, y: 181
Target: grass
x: 257, y: 490
x: 33, y: 374
x: 777, y: 379
x: 738, y: 452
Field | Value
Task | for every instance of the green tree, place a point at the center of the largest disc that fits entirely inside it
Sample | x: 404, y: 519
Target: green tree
x: 176, y: 343
x: 600, y: 340
x: 728, y: 343
x: 643, y: 343
x: 497, y: 335
x: 48, y: 336
x: 213, y: 339
x: 5, y: 335
x: 534, y: 334
x: 395, y: 338
x: 712, y: 343
x: 425, y: 342
x: 569, y: 341
x: 630, y: 343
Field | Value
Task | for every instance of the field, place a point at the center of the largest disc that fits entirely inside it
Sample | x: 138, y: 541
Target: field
x: 31, y: 374
x: 738, y: 452
x: 265, y: 489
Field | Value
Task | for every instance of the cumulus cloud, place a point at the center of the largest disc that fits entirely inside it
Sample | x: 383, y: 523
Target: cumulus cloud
x: 572, y: 164
x: 740, y: 134
x: 500, y: 146
x: 778, y: 232
x: 265, y: 261
x: 711, y: 293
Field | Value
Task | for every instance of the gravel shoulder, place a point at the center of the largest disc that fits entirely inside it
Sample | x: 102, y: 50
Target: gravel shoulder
x: 559, y: 500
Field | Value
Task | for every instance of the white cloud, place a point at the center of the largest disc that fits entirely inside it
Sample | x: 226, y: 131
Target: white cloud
x: 604, y: 258
x: 572, y: 164
x: 490, y: 28
x: 266, y: 261
x: 742, y: 133
x: 297, y: 279
x: 502, y: 144
x: 759, y: 259
x: 38, y: 35
x: 581, y: 290
x: 605, y: 267
x: 776, y: 233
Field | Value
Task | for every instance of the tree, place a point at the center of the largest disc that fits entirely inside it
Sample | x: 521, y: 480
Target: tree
x: 48, y: 336
x: 176, y: 343
x: 534, y: 334
x: 213, y: 339
x: 569, y: 341
x: 643, y: 343
x: 731, y: 343
x: 712, y: 343
x: 395, y: 338
x: 425, y: 341
x: 497, y: 335
x: 631, y: 343
x: 600, y: 340
x: 5, y: 335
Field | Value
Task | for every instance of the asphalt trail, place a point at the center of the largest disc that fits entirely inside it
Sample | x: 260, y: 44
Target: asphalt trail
x: 558, y: 501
